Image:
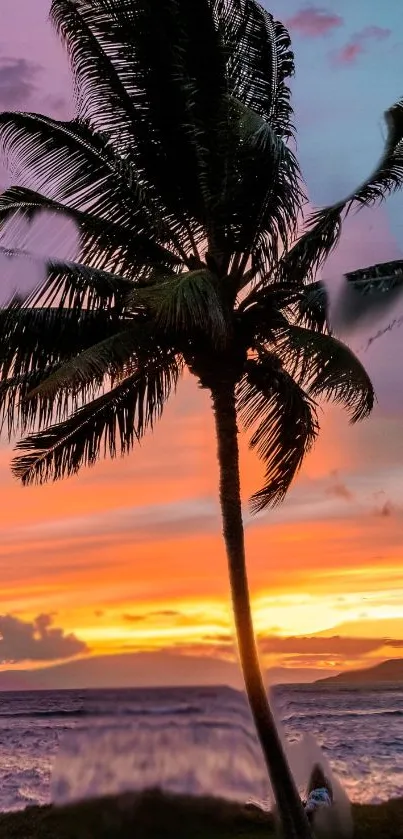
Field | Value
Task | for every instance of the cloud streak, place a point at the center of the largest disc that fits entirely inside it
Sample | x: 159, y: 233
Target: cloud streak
x: 359, y: 44
x: 16, y: 81
x: 167, y: 520
x: 323, y: 652
x: 338, y: 489
x: 326, y: 646
x: 314, y: 22
x: 160, y: 613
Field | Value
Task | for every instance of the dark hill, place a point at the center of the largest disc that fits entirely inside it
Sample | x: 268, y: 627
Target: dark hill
x: 388, y: 672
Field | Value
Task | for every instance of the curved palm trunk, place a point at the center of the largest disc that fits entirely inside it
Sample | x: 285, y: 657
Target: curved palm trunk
x: 294, y: 822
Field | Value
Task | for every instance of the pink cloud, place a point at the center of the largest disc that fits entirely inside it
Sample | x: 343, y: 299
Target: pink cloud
x: 349, y: 53
x: 314, y: 22
x: 358, y: 44
x: 377, y: 32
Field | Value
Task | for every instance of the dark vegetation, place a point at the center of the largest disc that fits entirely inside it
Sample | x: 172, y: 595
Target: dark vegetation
x: 153, y: 815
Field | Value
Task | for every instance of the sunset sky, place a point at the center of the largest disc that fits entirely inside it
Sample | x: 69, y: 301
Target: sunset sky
x: 128, y: 556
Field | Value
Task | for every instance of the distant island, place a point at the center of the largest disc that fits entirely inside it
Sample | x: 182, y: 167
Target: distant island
x: 159, y: 669
x: 142, y: 670
x: 388, y: 672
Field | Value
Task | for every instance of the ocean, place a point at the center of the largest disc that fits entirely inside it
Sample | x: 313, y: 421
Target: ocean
x: 64, y: 745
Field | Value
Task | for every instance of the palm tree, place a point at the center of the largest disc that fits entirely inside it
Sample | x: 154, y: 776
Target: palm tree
x: 179, y: 173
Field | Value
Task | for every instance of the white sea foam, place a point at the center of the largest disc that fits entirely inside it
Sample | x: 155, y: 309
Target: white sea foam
x: 196, y: 741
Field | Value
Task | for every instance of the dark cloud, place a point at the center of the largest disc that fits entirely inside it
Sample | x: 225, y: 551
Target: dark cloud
x: 36, y: 641
x: 57, y: 106
x: 314, y: 22
x: 57, y: 103
x: 325, y: 646
x: 198, y: 650
x: 359, y: 43
x: 16, y: 81
x: 387, y: 510
x: 338, y: 489
x: 134, y: 618
x: 163, y: 613
x: 222, y: 638
x: 172, y: 615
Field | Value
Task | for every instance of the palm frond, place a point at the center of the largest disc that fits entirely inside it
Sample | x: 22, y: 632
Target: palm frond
x: 302, y: 262
x: 79, y: 167
x: 313, y: 307
x: 112, y: 357
x: 35, y: 344
x: 100, y: 93
x: 187, y: 303
x: 36, y: 338
x: 160, y: 60
x: 76, y: 286
x: 73, y: 285
x: 17, y: 414
x: 259, y: 60
x: 109, y: 424
x: 327, y: 369
x: 257, y: 133
x: 104, y: 244
x: 284, y: 424
x: 263, y: 313
x: 187, y: 198
x: 68, y: 157
x: 268, y: 198
x: 271, y: 306
x: 313, y: 248
x: 387, y: 177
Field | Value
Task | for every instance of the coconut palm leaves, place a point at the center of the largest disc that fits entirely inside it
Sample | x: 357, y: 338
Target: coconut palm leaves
x: 284, y: 422
x: 325, y: 225
x: 118, y: 417
x: 277, y: 399
x: 187, y: 197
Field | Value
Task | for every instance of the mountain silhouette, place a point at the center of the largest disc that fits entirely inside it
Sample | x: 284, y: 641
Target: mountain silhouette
x: 388, y: 672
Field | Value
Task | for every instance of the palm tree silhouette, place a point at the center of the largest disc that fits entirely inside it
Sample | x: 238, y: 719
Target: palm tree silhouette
x: 180, y: 175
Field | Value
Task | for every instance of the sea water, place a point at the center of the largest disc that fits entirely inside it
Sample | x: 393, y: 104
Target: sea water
x: 64, y: 745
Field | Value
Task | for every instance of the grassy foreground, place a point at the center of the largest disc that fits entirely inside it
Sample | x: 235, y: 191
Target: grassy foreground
x: 152, y: 815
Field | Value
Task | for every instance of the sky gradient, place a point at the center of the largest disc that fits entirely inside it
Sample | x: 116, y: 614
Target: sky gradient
x: 128, y: 555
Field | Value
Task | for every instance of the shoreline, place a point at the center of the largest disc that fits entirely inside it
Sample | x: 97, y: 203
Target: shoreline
x: 160, y: 795
x: 156, y: 815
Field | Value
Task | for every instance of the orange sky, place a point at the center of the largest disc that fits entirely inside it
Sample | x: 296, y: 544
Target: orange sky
x: 128, y: 555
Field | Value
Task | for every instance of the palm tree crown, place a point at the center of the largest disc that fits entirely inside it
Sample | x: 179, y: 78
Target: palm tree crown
x: 180, y: 175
